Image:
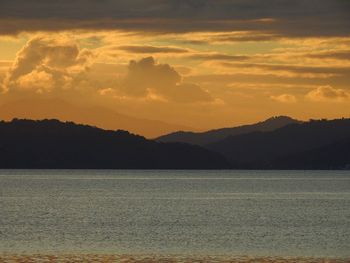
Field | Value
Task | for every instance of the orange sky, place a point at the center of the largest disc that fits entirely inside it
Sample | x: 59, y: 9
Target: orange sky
x: 187, y: 64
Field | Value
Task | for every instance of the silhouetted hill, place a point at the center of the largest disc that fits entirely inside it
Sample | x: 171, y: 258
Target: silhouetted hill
x: 54, y: 144
x: 333, y: 156
x: 274, y: 149
x: 212, y: 136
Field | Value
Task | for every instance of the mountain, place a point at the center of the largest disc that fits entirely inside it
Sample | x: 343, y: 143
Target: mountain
x: 54, y: 144
x: 274, y: 149
x: 106, y: 118
x: 212, y: 136
x: 330, y: 157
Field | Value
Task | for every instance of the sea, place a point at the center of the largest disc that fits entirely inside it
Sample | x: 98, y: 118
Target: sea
x: 158, y: 212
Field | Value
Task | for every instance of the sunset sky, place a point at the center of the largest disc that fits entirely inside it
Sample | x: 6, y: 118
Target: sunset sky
x: 196, y: 64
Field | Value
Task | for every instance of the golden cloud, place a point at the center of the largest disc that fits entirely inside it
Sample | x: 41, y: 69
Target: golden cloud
x: 147, y: 77
x: 284, y: 98
x: 56, y: 65
x: 217, y: 56
x: 45, y: 64
x: 145, y: 49
x: 332, y: 54
x: 328, y: 93
x: 307, y: 71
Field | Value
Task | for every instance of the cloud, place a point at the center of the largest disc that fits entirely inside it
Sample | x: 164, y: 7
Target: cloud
x: 242, y: 36
x: 151, y: 49
x: 284, y: 98
x: 293, y: 70
x: 297, y: 18
x: 250, y: 77
x: 4, y: 66
x: 45, y: 64
x: 218, y: 56
x: 5, y: 63
x: 56, y: 65
x: 39, y: 80
x: 333, y: 54
x: 146, y: 77
x: 328, y: 93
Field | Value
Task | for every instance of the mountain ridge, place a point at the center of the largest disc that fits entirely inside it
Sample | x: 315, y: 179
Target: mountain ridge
x: 262, y: 150
x: 211, y: 136
x: 52, y: 144
x: 334, y: 156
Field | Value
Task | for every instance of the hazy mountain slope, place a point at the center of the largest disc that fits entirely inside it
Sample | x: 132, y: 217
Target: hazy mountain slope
x: 261, y: 149
x: 105, y: 118
x: 54, y: 144
x: 219, y: 134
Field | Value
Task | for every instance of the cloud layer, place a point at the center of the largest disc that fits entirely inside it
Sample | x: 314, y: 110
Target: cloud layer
x: 145, y: 49
x: 57, y: 65
x: 291, y: 18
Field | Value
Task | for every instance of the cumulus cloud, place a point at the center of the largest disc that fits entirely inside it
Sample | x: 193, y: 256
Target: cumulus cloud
x: 56, y: 65
x: 328, y: 93
x: 146, y: 77
x: 5, y: 64
x: 284, y: 98
x: 45, y: 64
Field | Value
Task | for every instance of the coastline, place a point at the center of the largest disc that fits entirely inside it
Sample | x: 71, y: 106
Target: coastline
x: 71, y: 258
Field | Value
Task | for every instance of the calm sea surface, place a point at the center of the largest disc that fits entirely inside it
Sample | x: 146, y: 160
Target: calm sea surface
x: 274, y: 213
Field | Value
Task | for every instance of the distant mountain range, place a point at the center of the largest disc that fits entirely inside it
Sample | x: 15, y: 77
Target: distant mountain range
x: 204, y: 138
x: 55, y: 144
x: 277, y: 143
x: 318, y: 144
x: 38, y: 109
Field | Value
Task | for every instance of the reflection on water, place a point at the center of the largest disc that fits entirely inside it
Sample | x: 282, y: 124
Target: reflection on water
x: 263, y: 213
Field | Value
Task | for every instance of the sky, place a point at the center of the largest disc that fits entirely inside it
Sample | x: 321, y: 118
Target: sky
x: 190, y: 64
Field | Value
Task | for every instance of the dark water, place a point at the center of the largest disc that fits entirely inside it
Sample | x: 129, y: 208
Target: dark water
x: 279, y: 213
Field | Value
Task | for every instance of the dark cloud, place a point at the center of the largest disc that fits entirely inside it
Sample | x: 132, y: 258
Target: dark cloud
x: 278, y: 18
x: 152, y: 49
